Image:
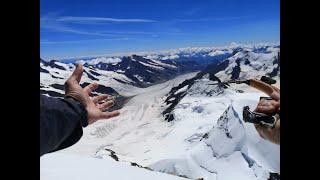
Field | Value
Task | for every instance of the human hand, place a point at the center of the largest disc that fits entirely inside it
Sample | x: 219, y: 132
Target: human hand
x: 95, y: 106
x: 269, y: 107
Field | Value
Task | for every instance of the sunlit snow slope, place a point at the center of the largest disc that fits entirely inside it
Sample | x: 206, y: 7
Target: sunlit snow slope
x: 205, y: 136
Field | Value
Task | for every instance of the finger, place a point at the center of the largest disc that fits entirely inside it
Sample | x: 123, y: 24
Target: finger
x: 106, y: 105
x: 264, y: 132
x: 77, y: 73
x: 262, y: 102
x: 276, y: 89
x: 100, y: 98
x: 265, y: 102
x: 276, y: 104
x: 265, y: 109
x: 107, y: 115
x: 275, y: 95
x: 91, y: 87
x: 259, y: 130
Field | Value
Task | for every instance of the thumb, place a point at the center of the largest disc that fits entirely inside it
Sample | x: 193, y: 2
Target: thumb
x: 77, y: 73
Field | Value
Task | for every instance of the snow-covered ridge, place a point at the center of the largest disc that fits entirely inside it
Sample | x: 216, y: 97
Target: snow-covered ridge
x: 202, y: 52
x: 244, y: 64
x: 179, y: 147
x: 221, y: 145
x: 152, y: 68
x: 111, y: 60
x: 204, y: 135
x: 126, y: 73
x: 252, y: 64
x: 187, y: 53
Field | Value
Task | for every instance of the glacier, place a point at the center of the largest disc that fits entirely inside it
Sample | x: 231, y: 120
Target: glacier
x: 206, y: 139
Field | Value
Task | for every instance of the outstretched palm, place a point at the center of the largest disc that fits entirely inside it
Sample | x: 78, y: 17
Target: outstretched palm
x: 95, y: 106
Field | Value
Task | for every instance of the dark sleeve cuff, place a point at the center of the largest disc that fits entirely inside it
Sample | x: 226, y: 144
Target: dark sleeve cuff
x: 79, y: 109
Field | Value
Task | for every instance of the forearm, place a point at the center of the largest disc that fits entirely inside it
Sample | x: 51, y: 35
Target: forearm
x: 61, y: 122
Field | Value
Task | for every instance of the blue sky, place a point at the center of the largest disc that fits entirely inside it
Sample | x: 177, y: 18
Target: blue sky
x: 74, y: 28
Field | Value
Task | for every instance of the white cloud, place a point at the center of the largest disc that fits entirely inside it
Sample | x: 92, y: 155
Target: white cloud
x: 212, y: 19
x: 80, y: 62
x: 84, y: 41
x: 74, y: 19
x: 107, y: 60
x: 52, y: 22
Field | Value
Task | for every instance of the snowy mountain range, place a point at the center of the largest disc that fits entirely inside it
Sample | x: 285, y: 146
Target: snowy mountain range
x: 242, y: 65
x: 172, y: 120
x: 143, y: 71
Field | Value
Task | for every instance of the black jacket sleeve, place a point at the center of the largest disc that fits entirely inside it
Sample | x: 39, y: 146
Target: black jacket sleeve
x: 61, y: 122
